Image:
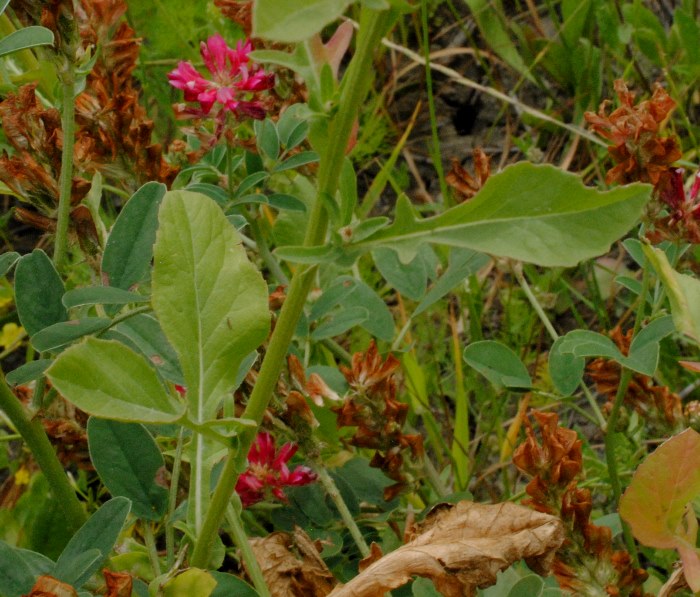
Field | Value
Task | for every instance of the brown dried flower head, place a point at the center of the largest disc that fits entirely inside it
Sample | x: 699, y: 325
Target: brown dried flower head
x: 633, y: 129
x: 464, y: 184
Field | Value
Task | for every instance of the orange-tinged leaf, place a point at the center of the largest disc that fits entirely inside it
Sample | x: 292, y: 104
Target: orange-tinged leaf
x: 655, y: 503
x: 664, y: 483
x: 48, y: 586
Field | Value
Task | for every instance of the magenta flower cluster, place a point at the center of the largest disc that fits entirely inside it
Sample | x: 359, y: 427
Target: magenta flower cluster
x: 233, y: 86
x: 268, y: 472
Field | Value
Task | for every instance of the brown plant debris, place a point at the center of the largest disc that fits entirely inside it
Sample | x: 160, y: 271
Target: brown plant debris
x: 372, y: 407
x: 292, y: 566
x: 461, y: 547
x: 48, y: 586
x: 586, y: 563
x: 464, y: 184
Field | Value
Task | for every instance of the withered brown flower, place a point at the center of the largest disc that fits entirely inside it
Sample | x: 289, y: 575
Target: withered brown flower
x: 638, y: 150
x: 464, y: 184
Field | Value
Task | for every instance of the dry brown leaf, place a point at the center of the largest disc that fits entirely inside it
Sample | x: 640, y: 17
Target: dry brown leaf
x: 48, y: 586
x: 292, y: 566
x: 119, y: 584
x: 463, y: 547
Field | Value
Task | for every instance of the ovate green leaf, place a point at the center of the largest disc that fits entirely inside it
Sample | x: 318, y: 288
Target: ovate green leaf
x: 107, y: 379
x: 28, y: 37
x: 533, y: 213
x: 497, y: 363
x: 127, y: 459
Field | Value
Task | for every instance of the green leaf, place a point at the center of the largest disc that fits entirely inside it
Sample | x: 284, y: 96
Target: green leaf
x: 584, y: 343
x: 497, y: 363
x: 101, y: 295
x: 565, y: 368
x: 284, y: 201
x: 644, y: 350
x: 144, y: 334
x: 340, y: 323
x: 127, y: 258
x: 533, y: 213
x: 462, y: 263
x: 7, y: 260
x: 267, y: 138
x: 249, y: 182
x: 297, y: 160
x: 528, y: 586
x: 81, y: 565
x: 28, y: 372
x: 100, y: 533
x: 60, y: 334
x: 107, y: 379
x: 228, y: 584
x: 192, y: 581
x: 656, y: 503
x: 410, y: 279
x: 290, y: 21
x: 38, y: 292
x: 210, y: 300
x: 683, y: 293
x: 16, y: 578
x: 127, y: 459
x: 29, y: 37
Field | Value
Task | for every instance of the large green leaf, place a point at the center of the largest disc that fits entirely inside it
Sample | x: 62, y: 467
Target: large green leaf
x: 16, y: 578
x: 107, y: 379
x: 129, y: 249
x: 212, y: 305
x: 290, y: 21
x: 38, y: 292
x: 127, y: 459
x: 210, y: 300
x: 498, y: 363
x: 533, y: 213
x: 98, y: 534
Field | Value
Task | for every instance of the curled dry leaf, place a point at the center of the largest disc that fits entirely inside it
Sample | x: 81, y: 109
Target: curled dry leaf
x: 463, y: 547
x: 48, y: 586
x: 292, y: 566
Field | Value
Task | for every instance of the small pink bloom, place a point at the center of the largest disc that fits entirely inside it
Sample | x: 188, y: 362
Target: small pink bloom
x: 268, y: 472
x: 234, y: 81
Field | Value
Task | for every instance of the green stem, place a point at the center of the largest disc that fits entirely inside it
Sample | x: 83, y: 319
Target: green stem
x: 35, y: 437
x: 251, y: 563
x: 333, y: 493
x: 66, y: 179
x: 520, y: 277
x: 625, y: 379
x: 172, y: 502
x: 151, y: 546
x: 356, y: 84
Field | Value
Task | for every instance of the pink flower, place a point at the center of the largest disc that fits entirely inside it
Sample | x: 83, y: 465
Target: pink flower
x: 234, y: 83
x: 268, y: 473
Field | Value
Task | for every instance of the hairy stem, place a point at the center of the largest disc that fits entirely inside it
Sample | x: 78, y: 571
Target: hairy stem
x: 356, y: 84
x: 36, y: 439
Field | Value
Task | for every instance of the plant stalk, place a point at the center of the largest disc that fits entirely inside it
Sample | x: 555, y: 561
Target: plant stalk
x: 251, y: 563
x: 38, y: 442
x: 66, y: 178
x: 356, y: 84
x: 345, y: 514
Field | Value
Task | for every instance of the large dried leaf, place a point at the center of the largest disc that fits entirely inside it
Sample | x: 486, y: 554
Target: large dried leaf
x: 463, y: 547
x: 291, y: 565
x: 48, y: 586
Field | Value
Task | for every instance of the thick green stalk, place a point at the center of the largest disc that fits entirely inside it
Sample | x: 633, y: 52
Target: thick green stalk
x: 36, y: 439
x: 356, y: 84
x: 66, y: 180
